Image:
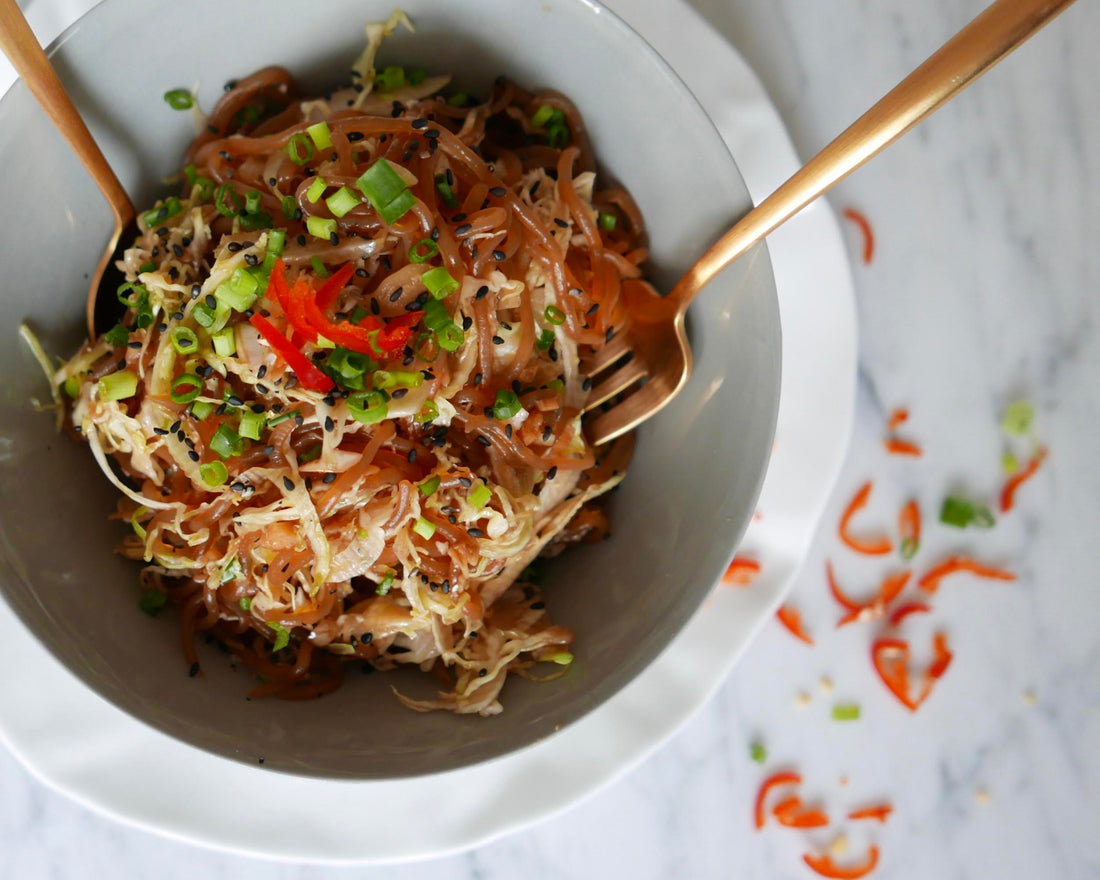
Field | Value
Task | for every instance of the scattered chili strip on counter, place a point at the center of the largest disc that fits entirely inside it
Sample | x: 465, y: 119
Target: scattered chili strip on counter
x: 888, y: 591
x: 741, y: 571
x: 881, y: 812
x: 891, y: 662
x: 902, y: 447
x: 868, y: 546
x: 930, y: 582
x: 905, y: 610
x: 1008, y: 494
x: 825, y: 866
x: 865, y: 228
x: 909, y: 530
x: 897, y: 418
x: 773, y: 781
x: 792, y: 620
x: 792, y: 813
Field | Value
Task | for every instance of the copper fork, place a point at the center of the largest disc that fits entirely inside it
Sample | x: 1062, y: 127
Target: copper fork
x: 644, y: 368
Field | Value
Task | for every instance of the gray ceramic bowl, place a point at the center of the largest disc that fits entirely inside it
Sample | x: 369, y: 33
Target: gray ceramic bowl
x: 676, y: 520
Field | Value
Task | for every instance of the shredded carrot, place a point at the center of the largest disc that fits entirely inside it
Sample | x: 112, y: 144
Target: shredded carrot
x: 741, y: 571
x: 777, y: 779
x: 902, y: 447
x: 881, y: 812
x: 909, y: 529
x: 868, y: 235
x: 897, y: 418
x: 826, y: 867
x: 1008, y: 494
x: 905, y: 610
x: 879, y: 546
x: 792, y: 620
x: 793, y: 814
x: 930, y: 582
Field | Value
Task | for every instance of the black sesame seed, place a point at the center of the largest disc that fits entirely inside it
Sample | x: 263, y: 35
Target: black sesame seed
x: 354, y: 136
x: 498, y: 191
x: 330, y: 425
x: 133, y: 345
x: 420, y: 123
x: 482, y: 292
x: 563, y: 224
x: 537, y: 606
x: 467, y: 322
x: 177, y: 316
x: 465, y: 482
x: 234, y: 246
x: 257, y: 407
x: 191, y: 454
x: 181, y: 436
x: 189, y: 443
x: 251, y: 259
x: 483, y: 440
x: 407, y: 359
x: 211, y: 303
x: 586, y: 385
x: 553, y: 352
x: 499, y: 255
x: 399, y: 393
x: 289, y: 483
x: 477, y: 379
x: 483, y: 673
x: 263, y: 389
x: 411, y: 456
x: 328, y: 478
x: 553, y: 472
x: 260, y: 373
x: 176, y: 425
x: 396, y: 295
x: 301, y: 240
x: 432, y: 133
x: 609, y: 334
x: 160, y: 431
x: 498, y: 340
x: 475, y: 533
x: 177, y: 250
x: 463, y: 229
x: 195, y: 671
x: 298, y: 419
x: 329, y: 400
x: 196, y: 289
x: 233, y: 400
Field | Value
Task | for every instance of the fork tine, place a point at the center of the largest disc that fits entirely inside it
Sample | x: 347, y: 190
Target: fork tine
x: 617, y: 382
x: 606, y: 356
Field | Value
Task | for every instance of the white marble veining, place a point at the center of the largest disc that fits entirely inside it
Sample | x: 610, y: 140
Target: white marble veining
x: 983, y: 288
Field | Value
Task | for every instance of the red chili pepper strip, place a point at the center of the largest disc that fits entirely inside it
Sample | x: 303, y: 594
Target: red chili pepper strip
x: 891, y: 661
x: 826, y: 867
x: 905, y: 610
x: 871, y: 547
x: 897, y: 418
x: 397, y: 332
x: 294, y: 304
x: 881, y: 812
x: 902, y: 447
x: 1008, y: 494
x: 865, y: 228
x: 785, y: 778
x: 888, y: 591
x: 308, y: 375
x: 276, y: 285
x: 741, y: 571
x: 909, y: 529
x: 792, y: 620
x: 834, y: 588
x: 931, y: 580
x: 327, y: 292
x: 793, y: 814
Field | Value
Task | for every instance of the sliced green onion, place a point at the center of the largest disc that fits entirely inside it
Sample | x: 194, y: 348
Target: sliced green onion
x: 846, y: 712
x: 553, y: 315
x: 390, y: 79
x: 357, y: 314
x: 451, y: 337
x: 556, y: 385
x: 607, y: 221
x: 146, y: 267
x: 557, y: 135
x: 545, y: 340
x: 130, y: 293
x: 446, y: 192
x: 479, y: 496
x: 251, y: 201
x: 259, y: 220
x: 342, y: 201
x: 200, y: 409
x: 290, y: 207
x: 118, y: 386
x: 252, y: 423
x: 381, y: 184
x: 276, y: 241
x: 138, y: 528
x: 398, y: 208
x: 118, y: 336
x: 179, y: 99
x: 184, y: 340
x: 416, y: 77
x: 961, y: 512
x: 542, y: 116
x: 436, y: 316
x: 384, y: 379
x: 310, y: 453
x: 225, y: 342
x: 423, y: 251
x: 164, y: 211
x: 245, y: 603
x: 204, y: 315
x: 439, y: 282
x: 316, y: 189
x: 226, y: 442
x: 239, y: 291
x: 1009, y: 463
x: 1018, y: 418
x: 758, y: 753
x: 347, y: 364
x: 459, y: 99
x: 318, y: 267
x: 320, y: 227
x: 429, y: 412
x: 368, y: 407
x: 320, y: 135
x: 72, y: 386
x: 423, y: 527
x: 282, y: 636
x: 228, y: 201
x: 186, y: 388
x: 506, y: 405
x: 282, y: 417
x: 562, y: 658
x: 429, y: 486
x: 152, y: 601
x: 249, y: 113
x: 385, y: 584
x: 300, y: 149
x: 213, y: 473
x: 191, y: 172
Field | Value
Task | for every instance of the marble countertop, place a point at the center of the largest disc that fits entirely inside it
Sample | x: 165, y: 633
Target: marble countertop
x: 983, y: 289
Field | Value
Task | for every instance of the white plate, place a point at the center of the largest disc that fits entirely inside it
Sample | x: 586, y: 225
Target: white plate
x: 77, y: 743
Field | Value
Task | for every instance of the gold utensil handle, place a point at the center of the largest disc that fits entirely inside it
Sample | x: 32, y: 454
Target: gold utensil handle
x: 21, y: 46
x: 993, y: 34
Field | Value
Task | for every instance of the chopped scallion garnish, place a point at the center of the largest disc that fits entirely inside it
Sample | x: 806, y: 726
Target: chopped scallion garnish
x: 446, y: 191
x: 961, y: 512
x: 152, y: 601
x: 213, y: 473
x: 228, y: 201
x: 290, y: 207
x: 545, y: 340
x: 607, y: 221
x: 439, y: 282
x: 226, y: 442
x: 300, y: 149
x: 225, y: 342
x: 316, y: 189
x: 423, y: 251
x: 252, y: 424
x: 429, y: 412
x: 186, y: 388
x: 320, y: 135
x: 423, y: 527
x: 553, y: 315
x: 342, y: 201
x: 368, y: 407
x: 846, y: 712
x: 1018, y: 418
x: 179, y: 99
x: 429, y: 486
x: 479, y: 496
x: 118, y: 336
x: 758, y: 753
x: 118, y: 386
x: 321, y: 227
x: 506, y: 405
x: 385, y: 584
x: 318, y: 267
x: 245, y: 603
x: 282, y: 636
x: 390, y: 79
x: 184, y: 340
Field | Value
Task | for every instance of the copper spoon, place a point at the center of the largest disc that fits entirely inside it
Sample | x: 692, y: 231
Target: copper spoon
x: 652, y: 362
x: 26, y: 55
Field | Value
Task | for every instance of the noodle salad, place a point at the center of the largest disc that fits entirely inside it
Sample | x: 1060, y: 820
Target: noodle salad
x: 344, y: 402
